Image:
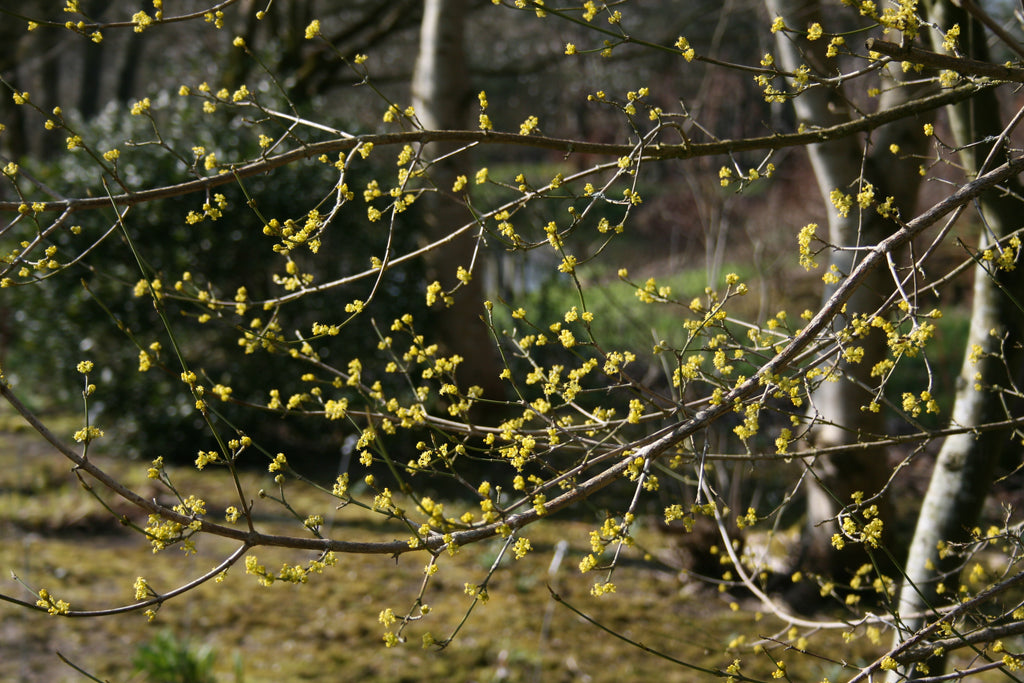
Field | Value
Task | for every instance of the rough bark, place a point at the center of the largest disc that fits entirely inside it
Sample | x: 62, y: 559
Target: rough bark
x: 440, y: 93
x: 966, y: 463
x: 837, y: 406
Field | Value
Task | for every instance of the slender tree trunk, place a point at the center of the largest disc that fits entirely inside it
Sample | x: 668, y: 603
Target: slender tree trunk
x: 92, y: 55
x: 838, y: 407
x: 238, y: 64
x: 440, y: 94
x: 89, y: 93
x: 127, y: 75
x: 966, y: 463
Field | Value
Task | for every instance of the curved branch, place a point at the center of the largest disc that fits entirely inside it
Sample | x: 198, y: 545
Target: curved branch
x: 911, y: 650
x: 984, y: 17
x: 651, y: 447
x: 651, y: 152
x: 654, y: 446
x: 95, y: 26
x: 155, y: 600
x: 988, y: 634
x: 961, y: 65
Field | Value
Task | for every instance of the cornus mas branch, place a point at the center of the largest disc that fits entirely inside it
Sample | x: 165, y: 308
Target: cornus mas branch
x: 651, y: 152
x: 874, y: 257
x: 648, y: 448
x: 984, y: 17
x: 93, y: 26
x: 156, y: 600
x: 911, y: 650
x: 657, y: 444
x: 866, y: 446
x: 962, y: 65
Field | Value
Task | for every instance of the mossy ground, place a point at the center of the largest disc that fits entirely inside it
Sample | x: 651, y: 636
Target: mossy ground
x: 56, y: 536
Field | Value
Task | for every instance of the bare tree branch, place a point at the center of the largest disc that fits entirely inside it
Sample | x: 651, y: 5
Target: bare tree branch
x: 651, y: 152
x: 961, y: 65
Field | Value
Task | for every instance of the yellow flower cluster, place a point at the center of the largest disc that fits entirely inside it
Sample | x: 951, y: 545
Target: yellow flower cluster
x: 51, y: 604
x: 529, y: 125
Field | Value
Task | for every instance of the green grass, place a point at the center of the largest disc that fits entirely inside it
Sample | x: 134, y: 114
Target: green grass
x: 621, y: 320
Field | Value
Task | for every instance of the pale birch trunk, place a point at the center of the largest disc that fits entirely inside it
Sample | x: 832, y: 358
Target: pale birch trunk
x: 965, y: 465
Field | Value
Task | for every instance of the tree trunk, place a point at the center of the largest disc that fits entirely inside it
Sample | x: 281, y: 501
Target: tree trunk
x: 966, y: 463
x: 837, y: 407
x: 440, y: 94
x: 92, y: 55
x: 127, y: 75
